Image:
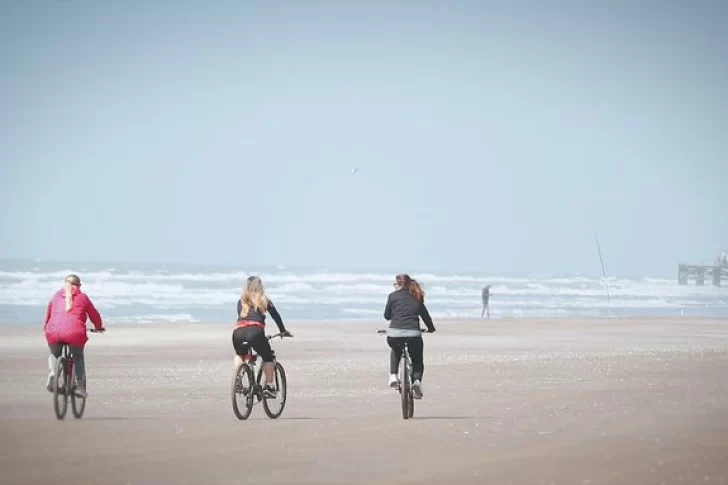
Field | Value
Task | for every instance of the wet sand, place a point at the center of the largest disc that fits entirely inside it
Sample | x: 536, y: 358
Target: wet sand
x: 587, y: 402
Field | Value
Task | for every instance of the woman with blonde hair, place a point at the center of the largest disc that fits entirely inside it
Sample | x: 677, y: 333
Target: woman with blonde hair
x: 65, y: 323
x: 252, y: 307
x: 405, y: 307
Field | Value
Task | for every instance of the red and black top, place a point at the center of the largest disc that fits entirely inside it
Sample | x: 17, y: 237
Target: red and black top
x: 256, y: 318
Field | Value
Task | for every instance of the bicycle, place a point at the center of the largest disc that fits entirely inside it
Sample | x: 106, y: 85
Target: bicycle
x: 404, y: 385
x: 243, y: 387
x: 64, y: 384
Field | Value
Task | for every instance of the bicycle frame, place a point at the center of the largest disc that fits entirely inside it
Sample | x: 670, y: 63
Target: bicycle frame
x: 66, y: 390
x: 70, y: 363
x: 407, y: 365
x: 404, y: 386
x: 256, y: 390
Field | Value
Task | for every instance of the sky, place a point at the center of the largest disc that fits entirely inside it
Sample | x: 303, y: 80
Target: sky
x: 490, y: 136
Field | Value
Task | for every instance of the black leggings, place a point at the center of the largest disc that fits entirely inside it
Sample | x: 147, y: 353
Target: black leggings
x: 416, y: 346
x: 255, y: 336
x: 77, y: 354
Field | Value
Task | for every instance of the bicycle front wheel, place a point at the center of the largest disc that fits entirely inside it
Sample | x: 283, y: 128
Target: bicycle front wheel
x: 273, y: 406
x: 408, y: 403
x: 78, y: 404
x: 411, y: 404
x: 241, y: 391
x: 61, y: 388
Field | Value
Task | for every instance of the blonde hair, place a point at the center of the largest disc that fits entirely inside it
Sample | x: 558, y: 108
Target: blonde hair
x: 70, y: 281
x: 253, y: 297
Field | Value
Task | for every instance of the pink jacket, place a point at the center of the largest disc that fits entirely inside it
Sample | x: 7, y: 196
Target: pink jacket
x: 69, y: 327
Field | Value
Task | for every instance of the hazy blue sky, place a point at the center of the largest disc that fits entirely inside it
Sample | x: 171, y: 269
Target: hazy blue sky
x: 490, y: 135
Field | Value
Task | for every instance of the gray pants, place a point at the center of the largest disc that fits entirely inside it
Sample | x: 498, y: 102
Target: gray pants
x: 77, y: 354
x: 486, y: 310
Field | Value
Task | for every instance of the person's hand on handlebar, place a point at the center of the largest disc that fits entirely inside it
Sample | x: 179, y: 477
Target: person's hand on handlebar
x: 286, y: 334
x: 98, y: 330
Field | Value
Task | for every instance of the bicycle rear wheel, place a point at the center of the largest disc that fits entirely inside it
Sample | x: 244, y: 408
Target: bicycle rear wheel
x: 78, y: 404
x: 241, y: 391
x: 411, y: 399
x: 406, y: 393
x: 61, y: 388
x: 273, y: 407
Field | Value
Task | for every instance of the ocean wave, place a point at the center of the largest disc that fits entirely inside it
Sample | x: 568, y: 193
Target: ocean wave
x: 155, y: 318
x: 276, y: 277
x: 111, y: 294
x: 362, y: 311
x: 155, y: 291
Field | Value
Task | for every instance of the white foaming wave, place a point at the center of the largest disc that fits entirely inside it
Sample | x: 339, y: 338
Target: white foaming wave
x: 620, y: 289
x: 564, y: 305
x: 576, y: 287
x: 561, y: 303
x: 362, y: 311
x: 658, y: 281
x: 603, y: 304
x: 519, y: 312
x: 155, y: 318
x: 198, y: 277
x: 278, y: 277
x: 97, y: 276
x: 297, y: 286
x: 360, y: 293
x: 33, y: 288
x: 118, y: 293
x: 327, y: 300
x: 371, y: 289
x: 114, y: 293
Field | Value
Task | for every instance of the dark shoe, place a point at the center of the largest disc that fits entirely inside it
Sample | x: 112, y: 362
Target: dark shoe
x: 417, y: 390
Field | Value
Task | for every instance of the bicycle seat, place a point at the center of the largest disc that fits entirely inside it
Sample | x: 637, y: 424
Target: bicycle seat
x: 250, y: 358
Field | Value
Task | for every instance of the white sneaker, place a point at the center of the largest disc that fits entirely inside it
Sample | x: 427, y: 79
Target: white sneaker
x: 80, y: 392
x: 417, y: 390
x: 393, y: 380
x: 50, y: 383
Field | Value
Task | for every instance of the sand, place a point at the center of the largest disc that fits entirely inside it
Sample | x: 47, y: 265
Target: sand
x: 587, y: 402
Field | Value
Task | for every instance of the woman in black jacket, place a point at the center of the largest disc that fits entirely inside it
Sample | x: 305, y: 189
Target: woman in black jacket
x: 405, y: 306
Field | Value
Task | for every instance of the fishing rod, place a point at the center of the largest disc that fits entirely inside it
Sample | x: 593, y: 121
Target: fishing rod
x: 601, y: 260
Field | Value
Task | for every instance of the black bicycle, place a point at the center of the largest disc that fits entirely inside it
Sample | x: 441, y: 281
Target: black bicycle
x: 404, y: 385
x: 245, y: 392
x: 64, y: 384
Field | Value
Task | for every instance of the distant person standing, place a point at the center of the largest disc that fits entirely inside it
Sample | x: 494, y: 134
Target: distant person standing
x: 485, y: 296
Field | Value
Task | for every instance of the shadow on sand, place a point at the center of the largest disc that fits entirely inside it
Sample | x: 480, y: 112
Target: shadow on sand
x: 449, y: 418
x: 305, y: 418
x: 115, y: 418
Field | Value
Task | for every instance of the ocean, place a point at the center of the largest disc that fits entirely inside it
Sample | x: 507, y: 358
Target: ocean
x: 148, y: 293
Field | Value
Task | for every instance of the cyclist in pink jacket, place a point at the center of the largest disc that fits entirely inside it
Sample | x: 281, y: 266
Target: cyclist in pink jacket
x: 65, y: 323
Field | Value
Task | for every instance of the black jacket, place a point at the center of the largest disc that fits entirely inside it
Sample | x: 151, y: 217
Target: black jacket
x: 405, y: 311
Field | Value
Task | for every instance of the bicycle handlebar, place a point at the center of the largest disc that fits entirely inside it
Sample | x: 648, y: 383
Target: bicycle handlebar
x: 383, y: 332
x: 93, y: 330
x: 280, y: 335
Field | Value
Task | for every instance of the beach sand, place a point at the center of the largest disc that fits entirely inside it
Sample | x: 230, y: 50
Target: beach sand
x: 586, y: 402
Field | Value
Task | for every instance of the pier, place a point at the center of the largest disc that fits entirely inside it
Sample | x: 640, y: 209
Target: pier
x: 716, y: 273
